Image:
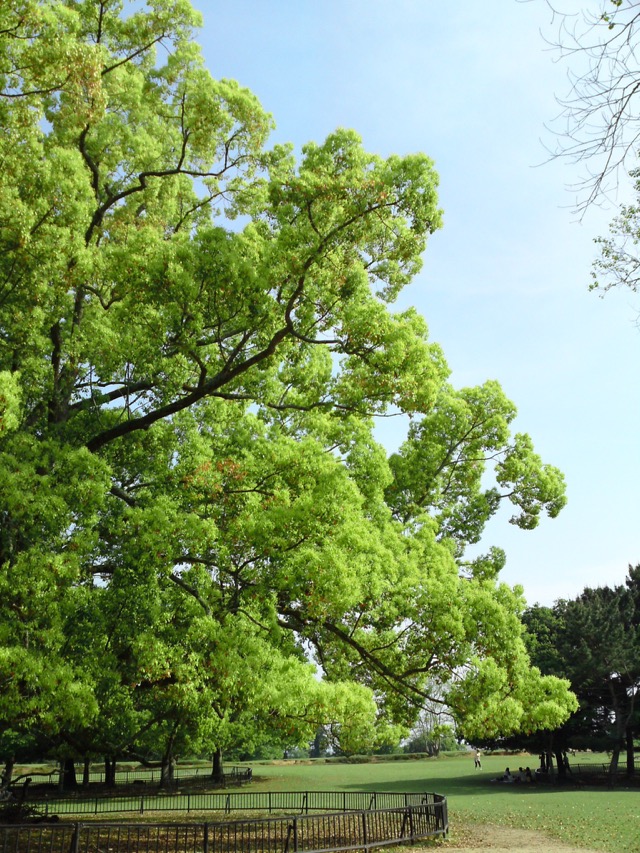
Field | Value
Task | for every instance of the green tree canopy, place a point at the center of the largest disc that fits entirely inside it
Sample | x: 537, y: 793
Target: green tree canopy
x: 594, y: 641
x: 196, y: 333
x: 601, y: 642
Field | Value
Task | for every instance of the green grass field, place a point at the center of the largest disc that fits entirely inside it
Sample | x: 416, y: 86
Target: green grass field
x: 590, y: 817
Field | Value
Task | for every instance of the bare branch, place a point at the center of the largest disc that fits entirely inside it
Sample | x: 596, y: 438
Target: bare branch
x: 599, y: 118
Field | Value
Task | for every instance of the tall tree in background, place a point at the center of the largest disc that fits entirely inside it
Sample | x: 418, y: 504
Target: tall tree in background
x: 594, y: 641
x: 195, y: 337
x: 603, y: 652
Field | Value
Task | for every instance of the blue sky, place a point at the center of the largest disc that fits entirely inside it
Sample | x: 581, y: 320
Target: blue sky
x: 504, y: 286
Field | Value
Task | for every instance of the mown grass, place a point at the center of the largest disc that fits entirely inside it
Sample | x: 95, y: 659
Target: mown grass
x: 595, y: 817
x: 592, y: 817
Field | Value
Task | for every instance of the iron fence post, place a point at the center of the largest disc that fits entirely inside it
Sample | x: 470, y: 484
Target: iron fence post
x: 205, y: 840
x: 75, y: 840
x: 364, y: 831
x: 295, y: 835
x: 404, y: 823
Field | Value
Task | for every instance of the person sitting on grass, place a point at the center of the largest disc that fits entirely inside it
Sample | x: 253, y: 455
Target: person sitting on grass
x: 506, y: 777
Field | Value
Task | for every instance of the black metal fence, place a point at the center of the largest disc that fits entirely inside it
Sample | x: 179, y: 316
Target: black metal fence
x: 266, y: 802
x: 150, y: 775
x: 307, y: 833
x: 589, y: 771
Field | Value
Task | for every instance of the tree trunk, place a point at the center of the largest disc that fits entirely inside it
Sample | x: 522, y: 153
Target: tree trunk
x: 631, y: 762
x: 550, y: 771
x: 562, y: 770
x: 68, y: 775
x: 109, y: 771
x: 550, y: 757
x: 21, y: 799
x: 316, y: 749
x: 7, y: 774
x: 166, y: 776
x: 85, y: 772
x: 621, y: 726
x: 613, y: 767
x: 217, y: 773
x: 168, y: 763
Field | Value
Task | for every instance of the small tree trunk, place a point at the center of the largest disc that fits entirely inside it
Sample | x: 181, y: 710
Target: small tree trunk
x: 217, y: 773
x: 613, y: 767
x: 21, y: 799
x: 109, y: 771
x: 631, y: 764
x: 69, y: 780
x: 550, y: 757
x: 562, y: 770
x: 316, y: 749
x: 621, y: 725
x: 168, y: 763
x: 7, y: 774
x: 85, y: 772
x: 166, y: 774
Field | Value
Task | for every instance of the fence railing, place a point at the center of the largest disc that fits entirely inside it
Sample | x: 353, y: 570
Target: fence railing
x: 308, y: 833
x: 267, y: 802
x: 601, y: 769
x: 127, y: 777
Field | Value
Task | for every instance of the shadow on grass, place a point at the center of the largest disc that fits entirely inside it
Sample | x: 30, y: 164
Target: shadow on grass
x: 477, y: 785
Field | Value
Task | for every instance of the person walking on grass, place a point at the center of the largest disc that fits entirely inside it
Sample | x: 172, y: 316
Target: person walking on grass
x: 477, y: 762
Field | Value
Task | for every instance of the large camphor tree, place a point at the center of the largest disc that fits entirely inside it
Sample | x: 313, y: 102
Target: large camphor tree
x: 196, y: 335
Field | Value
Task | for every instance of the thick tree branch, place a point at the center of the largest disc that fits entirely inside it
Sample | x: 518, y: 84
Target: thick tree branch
x: 176, y: 579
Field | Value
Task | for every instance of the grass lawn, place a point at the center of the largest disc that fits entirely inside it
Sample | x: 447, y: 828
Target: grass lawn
x: 593, y: 817
x: 590, y: 817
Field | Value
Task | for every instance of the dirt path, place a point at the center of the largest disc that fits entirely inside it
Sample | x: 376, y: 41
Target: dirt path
x: 501, y: 839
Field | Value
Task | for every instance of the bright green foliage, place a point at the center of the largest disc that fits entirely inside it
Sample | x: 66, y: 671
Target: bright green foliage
x: 195, y: 335
x: 441, y: 468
